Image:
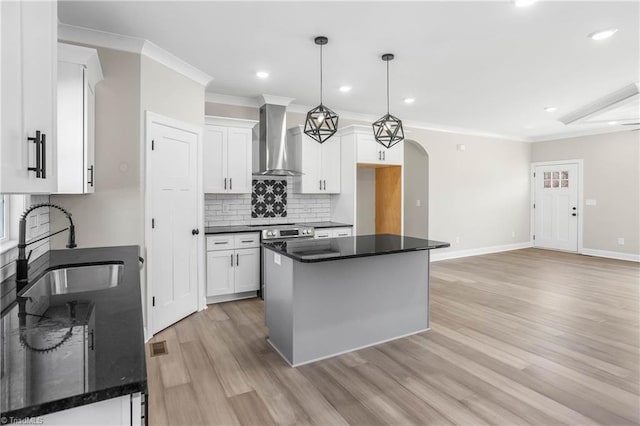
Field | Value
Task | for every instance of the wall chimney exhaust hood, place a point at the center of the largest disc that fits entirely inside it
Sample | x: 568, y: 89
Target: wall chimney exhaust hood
x: 275, y: 155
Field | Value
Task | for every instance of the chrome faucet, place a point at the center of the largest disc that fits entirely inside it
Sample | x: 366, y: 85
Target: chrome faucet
x: 22, y: 263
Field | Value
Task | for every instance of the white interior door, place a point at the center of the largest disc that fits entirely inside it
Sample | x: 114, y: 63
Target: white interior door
x: 173, y: 252
x: 556, y: 207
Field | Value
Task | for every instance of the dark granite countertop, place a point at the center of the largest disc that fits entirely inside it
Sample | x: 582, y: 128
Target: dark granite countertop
x: 235, y: 229
x: 309, y: 251
x: 65, y: 350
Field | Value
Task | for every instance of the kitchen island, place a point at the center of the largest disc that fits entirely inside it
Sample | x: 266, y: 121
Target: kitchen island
x: 332, y: 296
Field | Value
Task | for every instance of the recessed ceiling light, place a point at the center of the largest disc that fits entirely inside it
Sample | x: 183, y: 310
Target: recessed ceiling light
x: 345, y: 89
x: 262, y: 74
x: 409, y: 100
x: 604, y: 34
x: 612, y: 123
x: 550, y: 108
x: 524, y: 3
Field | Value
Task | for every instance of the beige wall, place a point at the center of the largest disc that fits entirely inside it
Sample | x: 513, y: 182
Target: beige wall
x: 611, y: 177
x: 112, y: 215
x: 416, y: 187
x: 480, y: 195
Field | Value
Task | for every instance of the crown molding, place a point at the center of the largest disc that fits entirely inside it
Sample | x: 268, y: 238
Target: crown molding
x: 350, y: 115
x: 579, y: 133
x: 88, y: 36
x: 605, y: 103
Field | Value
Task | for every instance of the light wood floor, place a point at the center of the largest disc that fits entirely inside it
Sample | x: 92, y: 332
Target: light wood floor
x: 523, y: 337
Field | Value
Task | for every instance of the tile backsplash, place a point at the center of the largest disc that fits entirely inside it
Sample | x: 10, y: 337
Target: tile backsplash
x: 236, y: 209
x: 268, y: 198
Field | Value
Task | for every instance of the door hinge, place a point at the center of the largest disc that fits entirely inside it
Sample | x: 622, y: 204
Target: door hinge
x: 153, y: 301
x: 153, y: 223
x: 153, y: 144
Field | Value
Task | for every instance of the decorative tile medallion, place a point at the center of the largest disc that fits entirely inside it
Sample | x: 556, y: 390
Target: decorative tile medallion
x: 269, y: 198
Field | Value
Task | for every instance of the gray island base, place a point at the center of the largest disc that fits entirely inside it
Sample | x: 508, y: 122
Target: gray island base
x: 316, y: 310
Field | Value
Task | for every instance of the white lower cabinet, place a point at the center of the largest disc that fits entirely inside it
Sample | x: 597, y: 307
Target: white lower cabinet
x: 124, y: 410
x: 344, y: 231
x: 233, y: 264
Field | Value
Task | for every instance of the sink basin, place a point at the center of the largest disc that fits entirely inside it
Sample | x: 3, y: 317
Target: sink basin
x: 77, y: 279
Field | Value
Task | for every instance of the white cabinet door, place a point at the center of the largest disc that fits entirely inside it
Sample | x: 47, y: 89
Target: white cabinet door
x: 369, y: 151
x: 90, y: 152
x: 28, y: 71
x: 123, y: 410
x: 239, y: 160
x: 215, y: 159
x: 220, y: 272
x: 247, y: 270
x: 331, y: 166
x: 393, y: 155
x: 311, y: 180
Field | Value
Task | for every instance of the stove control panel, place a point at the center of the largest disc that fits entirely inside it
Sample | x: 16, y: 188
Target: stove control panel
x: 283, y: 233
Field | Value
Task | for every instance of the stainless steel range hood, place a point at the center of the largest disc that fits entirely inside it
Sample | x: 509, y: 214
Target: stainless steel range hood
x: 276, y: 157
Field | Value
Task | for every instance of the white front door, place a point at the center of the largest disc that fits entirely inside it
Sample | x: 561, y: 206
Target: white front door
x: 173, y: 207
x: 556, y: 207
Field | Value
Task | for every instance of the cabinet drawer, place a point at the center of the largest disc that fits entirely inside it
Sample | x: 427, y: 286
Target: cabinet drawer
x: 247, y: 240
x: 341, y: 232
x: 221, y: 242
x: 322, y: 233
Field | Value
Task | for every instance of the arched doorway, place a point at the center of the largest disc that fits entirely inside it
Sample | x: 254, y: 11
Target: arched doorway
x: 416, y: 190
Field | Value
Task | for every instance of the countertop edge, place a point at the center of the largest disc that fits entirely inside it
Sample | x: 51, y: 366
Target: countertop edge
x: 76, y: 401
x: 346, y: 257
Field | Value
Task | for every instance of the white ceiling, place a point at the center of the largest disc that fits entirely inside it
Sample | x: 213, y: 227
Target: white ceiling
x: 488, y: 67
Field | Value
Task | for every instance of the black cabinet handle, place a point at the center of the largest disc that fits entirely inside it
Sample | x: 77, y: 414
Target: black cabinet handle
x: 195, y: 231
x: 320, y: 185
x: 325, y: 184
x: 237, y: 260
x: 90, y: 169
x: 43, y: 147
x: 232, y: 259
x: 38, y: 141
x: 230, y: 183
x: 225, y: 183
x: 384, y: 155
x: 91, y: 340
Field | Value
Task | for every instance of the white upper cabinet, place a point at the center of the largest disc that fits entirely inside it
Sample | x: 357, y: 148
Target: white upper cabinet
x: 319, y: 163
x: 28, y: 61
x: 227, y: 155
x: 79, y: 71
x: 371, y: 152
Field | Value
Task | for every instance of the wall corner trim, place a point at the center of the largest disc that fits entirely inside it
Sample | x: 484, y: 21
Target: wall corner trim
x: 611, y: 254
x: 437, y: 256
x: 88, y: 36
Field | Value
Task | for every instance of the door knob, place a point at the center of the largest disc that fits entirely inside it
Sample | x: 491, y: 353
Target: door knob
x: 195, y: 231
x: 574, y: 208
x: 574, y: 214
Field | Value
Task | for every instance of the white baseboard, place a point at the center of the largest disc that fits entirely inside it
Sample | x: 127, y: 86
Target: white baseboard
x: 611, y: 254
x: 436, y: 256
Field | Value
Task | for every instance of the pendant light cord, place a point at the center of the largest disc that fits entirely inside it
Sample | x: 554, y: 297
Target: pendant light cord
x: 387, y: 87
x: 320, y: 74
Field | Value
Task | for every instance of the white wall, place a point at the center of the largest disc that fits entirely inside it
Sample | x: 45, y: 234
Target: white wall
x: 612, y: 178
x: 416, y: 189
x: 366, y: 200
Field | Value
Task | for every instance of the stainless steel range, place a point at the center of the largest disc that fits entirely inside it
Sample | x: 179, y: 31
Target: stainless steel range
x: 282, y: 233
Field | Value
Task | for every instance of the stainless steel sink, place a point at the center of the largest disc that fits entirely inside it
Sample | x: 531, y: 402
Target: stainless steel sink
x: 77, y: 279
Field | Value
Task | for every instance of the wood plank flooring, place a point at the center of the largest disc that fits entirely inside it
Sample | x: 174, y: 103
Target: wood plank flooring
x: 523, y: 337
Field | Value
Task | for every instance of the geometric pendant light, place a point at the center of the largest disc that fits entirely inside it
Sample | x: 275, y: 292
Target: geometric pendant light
x: 388, y: 129
x: 321, y: 122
